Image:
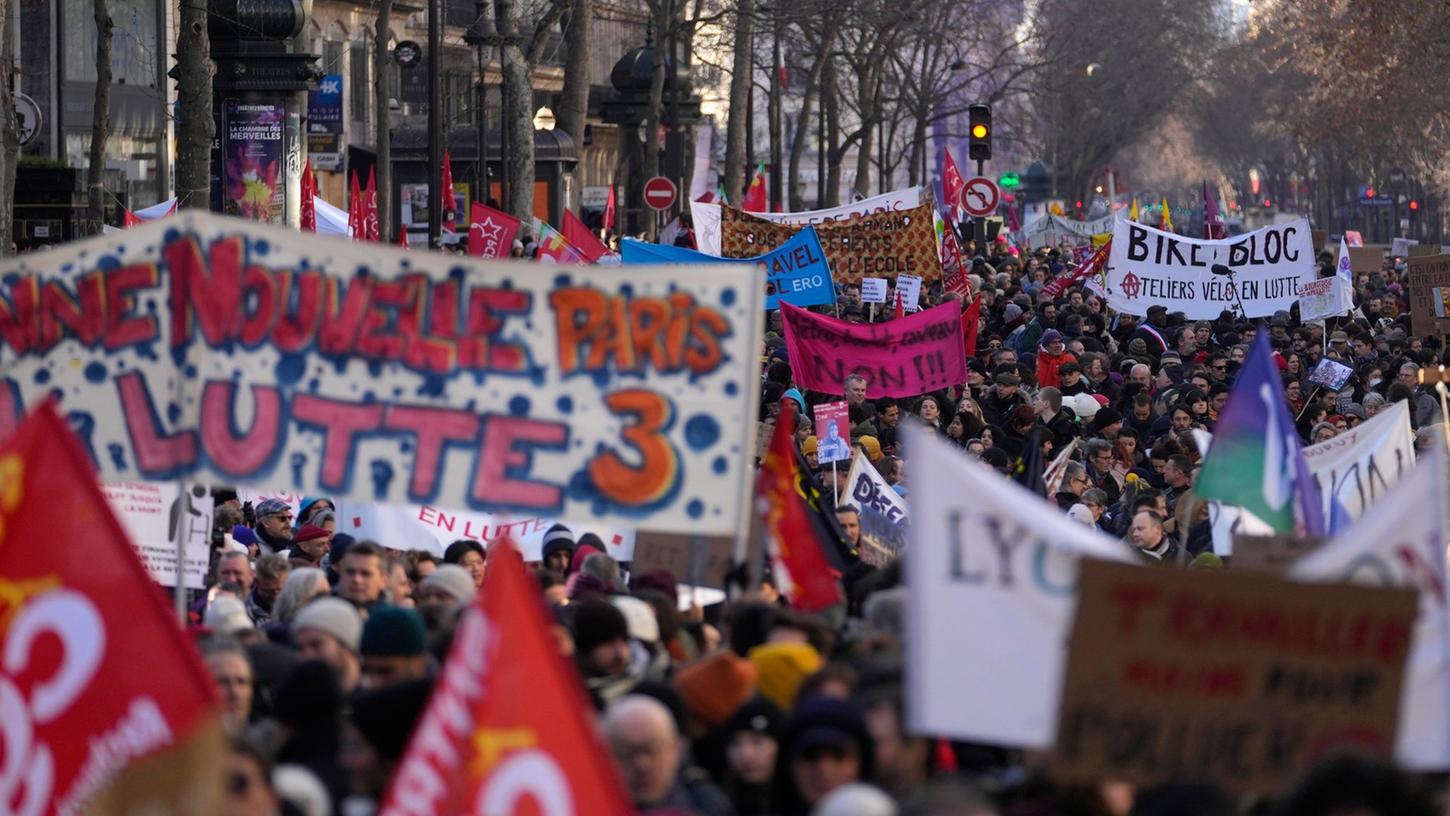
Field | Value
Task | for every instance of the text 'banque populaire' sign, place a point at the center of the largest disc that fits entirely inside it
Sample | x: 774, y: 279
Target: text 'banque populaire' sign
x: 217, y: 349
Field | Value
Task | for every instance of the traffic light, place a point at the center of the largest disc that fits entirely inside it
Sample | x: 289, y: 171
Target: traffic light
x: 1414, y: 205
x: 979, y: 132
x: 1268, y: 203
x: 1009, y: 181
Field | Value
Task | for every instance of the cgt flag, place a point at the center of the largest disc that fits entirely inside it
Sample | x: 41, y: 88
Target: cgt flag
x: 806, y: 577
x: 508, y: 727
x: 85, y: 727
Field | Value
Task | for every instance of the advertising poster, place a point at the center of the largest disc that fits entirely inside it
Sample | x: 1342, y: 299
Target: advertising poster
x: 254, y: 184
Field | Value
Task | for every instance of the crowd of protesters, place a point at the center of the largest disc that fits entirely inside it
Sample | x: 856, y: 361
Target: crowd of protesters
x: 324, y: 649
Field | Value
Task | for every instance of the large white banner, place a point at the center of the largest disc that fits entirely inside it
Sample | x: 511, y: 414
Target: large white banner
x: 992, y: 576
x: 1356, y: 468
x: 1050, y: 230
x: 706, y: 217
x: 1400, y: 542
x: 1149, y: 267
x: 221, y: 350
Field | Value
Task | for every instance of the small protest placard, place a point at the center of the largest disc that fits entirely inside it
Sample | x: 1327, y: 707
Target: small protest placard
x: 1271, y: 553
x: 1330, y: 375
x: 1429, y: 283
x: 910, y: 288
x: 1353, y: 238
x: 1402, y: 247
x: 1365, y: 259
x: 833, y: 433
x: 873, y: 290
x: 1243, y: 679
x: 702, y: 561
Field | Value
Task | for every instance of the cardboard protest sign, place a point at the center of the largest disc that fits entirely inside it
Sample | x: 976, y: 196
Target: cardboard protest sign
x: 1243, y: 679
x: 1428, y: 278
x: 697, y: 561
x: 1421, y: 250
x: 1330, y: 375
x: 882, y: 244
x: 883, y: 512
x: 1149, y: 267
x: 229, y: 351
x: 1317, y: 238
x: 706, y: 216
x: 1271, y: 553
x: 988, y: 565
x: 1400, y: 542
x: 154, y: 514
x: 795, y: 272
x: 899, y: 358
x: 909, y: 287
x: 833, y: 433
x: 1365, y: 259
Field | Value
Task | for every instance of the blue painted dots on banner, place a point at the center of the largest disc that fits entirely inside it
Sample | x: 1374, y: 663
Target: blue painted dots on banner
x: 519, y: 405
x: 565, y: 404
x: 695, y: 508
x: 261, y: 247
x: 720, y: 465
x: 562, y: 281
x: 727, y: 297
x: 96, y: 372
x: 701, y: 431
x: 731, y: 388
x: 290, y: 368
x: 42, y: 376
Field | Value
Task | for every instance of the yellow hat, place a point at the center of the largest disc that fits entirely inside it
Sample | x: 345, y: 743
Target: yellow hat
x: 780, y: 668
x: 872, y: 446
x: 809, y: 446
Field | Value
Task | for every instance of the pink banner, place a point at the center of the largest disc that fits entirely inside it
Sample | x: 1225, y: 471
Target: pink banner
x: 898, y: 358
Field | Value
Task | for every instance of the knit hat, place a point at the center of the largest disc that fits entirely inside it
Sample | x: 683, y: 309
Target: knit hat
x: 226, y: 616
x: 558, y: 539
x: 1080, y: 513
x: 331, y: 616
x: 584, y: 549
x: 392, y: 631
x: 310, y: 695
x: 1105, y: 417
x: 822, y: 721
x: 597, y: 622
x: 855, y: 799
x: 756, y: 714
x: 244, y: 535
x: 872, y: 446
x: 795, y: 394
x: 1049, y: 337
x: 714, y: 686
x: 309, y: 532
x: 639, y: 617
x: 271, y: 507
x: 1085, y: 406
x: 452, y: 579
x: 658, y: 579
x: 1011, y: 312
x: 811, y: 445
x: 386, y: 716
x: 780, y: 668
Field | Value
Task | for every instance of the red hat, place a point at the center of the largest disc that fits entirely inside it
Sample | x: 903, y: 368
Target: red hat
x: 309, y: 532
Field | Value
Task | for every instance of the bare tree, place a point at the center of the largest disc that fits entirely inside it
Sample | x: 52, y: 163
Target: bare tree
x: 739, y: 119
x: 100, y: 120
x: 520, y: 51
x: 9, y: 131
x: 574, y: 107
x: 384, y: 136
x: 193, y: 73
x: 820, y: 43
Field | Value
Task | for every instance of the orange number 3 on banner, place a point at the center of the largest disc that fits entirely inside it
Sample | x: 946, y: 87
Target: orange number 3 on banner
x: 659, y: 467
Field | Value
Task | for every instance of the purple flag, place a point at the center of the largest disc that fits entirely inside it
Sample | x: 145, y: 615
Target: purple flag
x: 1213, y: 226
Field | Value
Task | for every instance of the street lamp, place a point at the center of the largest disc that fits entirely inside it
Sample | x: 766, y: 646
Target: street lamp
x: 480, y: 36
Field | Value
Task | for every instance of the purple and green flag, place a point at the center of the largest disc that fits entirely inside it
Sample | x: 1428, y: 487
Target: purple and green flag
x: 1256, y: 461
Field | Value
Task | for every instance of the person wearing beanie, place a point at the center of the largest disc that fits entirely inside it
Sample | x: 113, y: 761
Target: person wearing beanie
x: 274, y: 525
x: 780, y: 668
x: 751, y: 740
x: 330, y: 630
x: 227, y: 616
x: 825, y: 745
x: 309, y: 544
x: 1107, y: 422
x: 601, y: 647
x: 309, y: 706
x: 558, y: 549
x: 810, y: 449
x: 309, y: 508
x: 872, y: 446
x: 379, y: 724
x: 715, y: 686
x: 1052, y: 353
x: 394, y: 647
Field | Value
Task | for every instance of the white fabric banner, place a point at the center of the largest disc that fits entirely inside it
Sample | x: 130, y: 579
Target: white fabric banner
x: 1149, y: 267
x: 865, y: 486
x: 1400, y: 542
x: 992, y: 574
x: 706, y: 217
x: 1050, y: 229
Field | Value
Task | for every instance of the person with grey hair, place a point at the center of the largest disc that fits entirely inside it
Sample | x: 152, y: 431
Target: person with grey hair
x: 230, y: 668
x: 606, y: 569
x: 301, y: 586
x: 271, y: 573
x: 652, y: 758
x: 1074, y: 482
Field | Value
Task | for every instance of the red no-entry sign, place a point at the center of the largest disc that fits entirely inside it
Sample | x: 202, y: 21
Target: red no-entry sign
x: 659, y: 193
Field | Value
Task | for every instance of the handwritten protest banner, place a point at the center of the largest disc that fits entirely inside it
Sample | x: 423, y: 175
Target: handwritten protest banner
x: 899, y: 358
x: 881, y: 244
x: 988, y: 563
x: 1428, y: 277
x: 883, y: 512
x: 1049, y: 230
x: 1243, y: 679
x: 1149, y: 267
x: 795, y: 272
x: 226, y: 351
x: 1324, y: 297
x: 706, y: 215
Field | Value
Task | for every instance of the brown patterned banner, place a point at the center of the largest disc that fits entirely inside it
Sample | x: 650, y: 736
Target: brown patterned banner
x: 879, y: 245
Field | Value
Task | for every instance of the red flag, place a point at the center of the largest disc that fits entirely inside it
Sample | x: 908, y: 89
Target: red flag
x: 952, y: 182
x: 491, y: 232
x: 509, y: 721
x: 609, y: 210
x: 355, y: 211
x: 900, y: 305
x: 755, y: 200
x: 1093, y: 266
x: 953, y: 263
x: 403, y: 238
x: 450, y: 208
x: 129, y: 219
x: 801, y: 569
x: 583, y: 238
x: 104, y: 695
x: 309, y: 199
x: 370, y: 209
x: 970, y: 318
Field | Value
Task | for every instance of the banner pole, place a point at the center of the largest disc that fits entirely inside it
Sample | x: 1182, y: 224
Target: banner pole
x: 835, y: 485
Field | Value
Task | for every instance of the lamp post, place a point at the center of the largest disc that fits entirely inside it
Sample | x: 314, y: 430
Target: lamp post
x: 435, y: 124
x: 480, y: 36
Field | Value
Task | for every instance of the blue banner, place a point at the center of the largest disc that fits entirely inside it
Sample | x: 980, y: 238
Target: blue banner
x: 324, y: 123
x: 795, y: 272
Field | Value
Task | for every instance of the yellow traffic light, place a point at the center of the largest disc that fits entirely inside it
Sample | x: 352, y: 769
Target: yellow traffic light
x: 979, y: 131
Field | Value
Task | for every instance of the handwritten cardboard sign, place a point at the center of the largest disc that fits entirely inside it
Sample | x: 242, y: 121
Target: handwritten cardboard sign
x: 694, y: 560
x: 1429, y: 282
x: 1243, y: 679
x: 1271, y: 553
x: 224, y: 350
x: 1365, y: 259
x: 881, y: 244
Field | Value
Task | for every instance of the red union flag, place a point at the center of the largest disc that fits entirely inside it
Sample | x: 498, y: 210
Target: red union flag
x: 104, y: 700
x: 508, y: 723
x: 491, y: 232
x: 952, y: 182
x: 796, y: 554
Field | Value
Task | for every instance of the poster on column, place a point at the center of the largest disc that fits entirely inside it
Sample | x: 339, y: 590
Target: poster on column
x: 230, y: 352
x: 1149, y: 267
x: 706, y: 215
x: 899, y: 358
x: 255, y: 176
